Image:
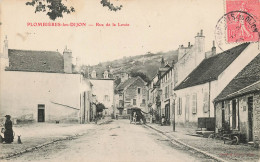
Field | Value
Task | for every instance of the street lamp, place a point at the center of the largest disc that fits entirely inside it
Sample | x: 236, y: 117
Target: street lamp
x: 173, y: 105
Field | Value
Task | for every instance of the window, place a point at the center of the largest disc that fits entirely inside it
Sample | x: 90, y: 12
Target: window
x: 105, y: 74
x: 143, y: 101
x: 121, y: 103
x: 194, y: 103
x: 171, y: 89
x: 139, y: 90
x: 179, y: 106
x: 165, y: 92
x: 93, y: 74
x: 106, y: 98
x: 134, y: 101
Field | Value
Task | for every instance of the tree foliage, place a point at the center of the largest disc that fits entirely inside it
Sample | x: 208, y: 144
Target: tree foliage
x: 100, y: 107
x: 110, y: 6
x: 54, y: 8
x: 140, y: 74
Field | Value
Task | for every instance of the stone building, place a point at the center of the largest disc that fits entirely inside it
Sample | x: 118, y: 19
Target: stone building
x: 122, y: 75
x: 40, y: 86
x: 132, y: 93
x: 166, y: 86
x: 238, y: 104
x: 155, y: 99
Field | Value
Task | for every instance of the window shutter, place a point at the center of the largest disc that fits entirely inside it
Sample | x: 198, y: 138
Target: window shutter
x: 180, y: 106
x: 194, y: 103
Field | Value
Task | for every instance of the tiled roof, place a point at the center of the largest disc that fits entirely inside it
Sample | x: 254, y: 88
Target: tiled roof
x: 35, y: 61
x: 129, y: 81
x: 249, y: 75
x: 209, y: 69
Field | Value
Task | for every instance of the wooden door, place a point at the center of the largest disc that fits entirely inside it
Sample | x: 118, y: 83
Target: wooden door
x: 250, y: 118
x: 41, y: 113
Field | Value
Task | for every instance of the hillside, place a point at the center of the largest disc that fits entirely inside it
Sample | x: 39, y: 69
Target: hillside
x: 147, y: 64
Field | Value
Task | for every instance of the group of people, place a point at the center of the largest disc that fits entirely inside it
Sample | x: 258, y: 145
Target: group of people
x: 7, y: 130
x: 137, y: 116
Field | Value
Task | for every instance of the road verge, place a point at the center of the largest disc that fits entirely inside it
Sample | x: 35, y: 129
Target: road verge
x: 171, y: 139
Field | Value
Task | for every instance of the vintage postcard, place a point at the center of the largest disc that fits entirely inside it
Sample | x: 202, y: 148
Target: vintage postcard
x: 129, y: 80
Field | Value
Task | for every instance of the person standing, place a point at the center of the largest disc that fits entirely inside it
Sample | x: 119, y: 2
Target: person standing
x: 163, y: 120
x: 8, y: 134
x: 134, y: 117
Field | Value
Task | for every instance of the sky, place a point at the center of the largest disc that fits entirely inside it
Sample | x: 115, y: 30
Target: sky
x: 154, y: 26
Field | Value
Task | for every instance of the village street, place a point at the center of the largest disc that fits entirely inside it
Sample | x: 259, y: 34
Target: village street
x: 116, y: 141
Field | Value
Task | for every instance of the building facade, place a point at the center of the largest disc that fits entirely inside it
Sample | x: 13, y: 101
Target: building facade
x: 103, y: 89
x: 237, y: 107
x: 132, y: 93
x: 39, y: 86
x: 196, y: 92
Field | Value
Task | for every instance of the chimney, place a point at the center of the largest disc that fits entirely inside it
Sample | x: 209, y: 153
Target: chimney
x: 5, y: 54
x: 181, y: 52
x: 173, y: 62
x: 199, y: 48
x: 162, y: 63
x: 5, y: 48
x: 213, y: 49
x: 67, y: 57
x: 77, y: 66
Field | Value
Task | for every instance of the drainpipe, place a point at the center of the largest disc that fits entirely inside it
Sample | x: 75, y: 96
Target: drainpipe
x: 215, y: 116
x: 238, y: 118
x: 209, y: 97
x: 124, y: 102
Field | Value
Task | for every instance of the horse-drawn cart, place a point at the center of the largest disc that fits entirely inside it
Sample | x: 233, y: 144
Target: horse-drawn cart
x: 137, y: 114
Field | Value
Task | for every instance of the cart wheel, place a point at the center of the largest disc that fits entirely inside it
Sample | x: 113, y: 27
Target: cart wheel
x: 217, y: 136
x: 236, y: 140
x: 211, y: 136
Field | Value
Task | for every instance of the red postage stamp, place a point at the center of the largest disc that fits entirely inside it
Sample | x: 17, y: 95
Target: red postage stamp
x: 242, y: 20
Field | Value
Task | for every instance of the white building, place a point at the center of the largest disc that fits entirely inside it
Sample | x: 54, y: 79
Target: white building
x: 196, y: 92
x: 103, y: 89
x: 40, y: 86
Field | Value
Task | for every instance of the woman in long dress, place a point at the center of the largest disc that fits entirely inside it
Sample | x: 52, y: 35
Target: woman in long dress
x: 8, y: 134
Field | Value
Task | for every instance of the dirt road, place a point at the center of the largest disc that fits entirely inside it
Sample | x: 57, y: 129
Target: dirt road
x: 116, y: 141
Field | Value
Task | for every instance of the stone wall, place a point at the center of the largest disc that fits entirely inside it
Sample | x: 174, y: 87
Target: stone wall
x: 132, y: 93
x: 256, y: 121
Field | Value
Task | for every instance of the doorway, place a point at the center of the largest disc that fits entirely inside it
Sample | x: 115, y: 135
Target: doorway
x: 167, y: 112
x: 41, y: 113
x: 234, y: 114
x: 223, y: 114
x: 250, y: 118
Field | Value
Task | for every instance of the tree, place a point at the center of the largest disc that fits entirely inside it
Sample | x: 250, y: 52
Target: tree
x: 140, y: 74
x: 100, y: 107
x: 56, y: 8
x: 110, y: 6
